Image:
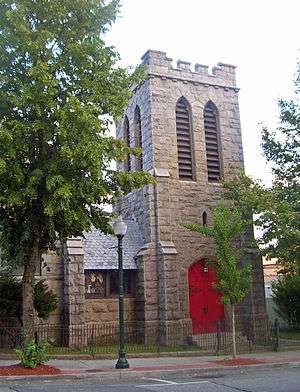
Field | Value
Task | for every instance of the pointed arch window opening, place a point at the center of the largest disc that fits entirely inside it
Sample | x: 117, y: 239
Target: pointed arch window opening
x: 138, y: 139
x: 127, y: 163
x: 204, y: 218
x: 184, y: 140
x: 212, y: 143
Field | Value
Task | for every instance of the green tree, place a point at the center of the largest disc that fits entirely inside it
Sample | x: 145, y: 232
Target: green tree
x: 277, y: 208
x: 45, y: 300
x: 233, y: 280
x: 59, y: 86
x: 286, y: 296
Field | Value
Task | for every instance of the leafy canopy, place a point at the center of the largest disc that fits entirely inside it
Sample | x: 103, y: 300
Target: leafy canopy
x: 59, y: 86
x: 277, y: 207
x: 233, y: 279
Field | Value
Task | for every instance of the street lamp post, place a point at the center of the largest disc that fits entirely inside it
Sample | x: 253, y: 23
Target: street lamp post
x: 120, y: 229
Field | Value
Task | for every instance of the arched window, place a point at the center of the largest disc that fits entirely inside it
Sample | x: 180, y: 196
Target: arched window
x: 127, y: 165
x: 211, y: 127
x: 184, y: 140
x: 204, y: 218
x: 138, y: 138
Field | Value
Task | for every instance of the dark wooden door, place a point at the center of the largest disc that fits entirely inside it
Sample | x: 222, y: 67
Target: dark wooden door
x: 205, y: 306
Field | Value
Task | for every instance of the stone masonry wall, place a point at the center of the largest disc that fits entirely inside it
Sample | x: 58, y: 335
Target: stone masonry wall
x: 52, y: 271
x: 162, y: 207
x: 107, y: 310
x: 136, y: 204
x: 182, y: 201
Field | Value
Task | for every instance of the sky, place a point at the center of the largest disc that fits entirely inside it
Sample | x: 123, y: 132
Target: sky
x: 262, y: 38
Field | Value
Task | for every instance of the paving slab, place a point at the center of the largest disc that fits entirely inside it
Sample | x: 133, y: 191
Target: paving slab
x: 146, y: 367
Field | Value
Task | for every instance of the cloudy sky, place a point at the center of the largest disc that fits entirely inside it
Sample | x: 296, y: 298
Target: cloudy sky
x: 262, y: 38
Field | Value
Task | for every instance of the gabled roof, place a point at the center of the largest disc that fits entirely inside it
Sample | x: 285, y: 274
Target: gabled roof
x: 100, y: 250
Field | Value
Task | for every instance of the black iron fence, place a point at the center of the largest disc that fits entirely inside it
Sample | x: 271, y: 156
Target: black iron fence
x: 102, y: 339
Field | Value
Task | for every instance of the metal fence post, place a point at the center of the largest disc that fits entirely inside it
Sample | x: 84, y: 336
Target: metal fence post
x: 218, y: 337
x: 93, y: 342
x: 250, y: 338
x: 277, y: 338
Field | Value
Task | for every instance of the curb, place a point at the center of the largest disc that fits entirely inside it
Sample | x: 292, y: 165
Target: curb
x: 127, y: 374
x: 79, y: 357
x: 163, y: 354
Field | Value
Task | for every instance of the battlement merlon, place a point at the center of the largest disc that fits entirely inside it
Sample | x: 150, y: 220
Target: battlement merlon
x: 160, y: 65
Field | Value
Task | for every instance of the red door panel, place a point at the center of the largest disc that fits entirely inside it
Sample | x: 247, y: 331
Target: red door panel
x: 205, y: 306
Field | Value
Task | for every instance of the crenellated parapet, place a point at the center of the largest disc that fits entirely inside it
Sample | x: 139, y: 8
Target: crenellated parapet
x: 161, y: 66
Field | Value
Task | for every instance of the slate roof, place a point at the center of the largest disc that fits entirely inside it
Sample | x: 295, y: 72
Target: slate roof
x: 100, y: 250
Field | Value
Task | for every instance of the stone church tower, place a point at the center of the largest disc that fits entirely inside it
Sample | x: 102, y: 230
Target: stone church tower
x: 188, y: 124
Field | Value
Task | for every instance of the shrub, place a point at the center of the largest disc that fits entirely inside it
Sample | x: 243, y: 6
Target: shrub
x: 286, y: 296
x: 33, y: 354
x: 45, y: 301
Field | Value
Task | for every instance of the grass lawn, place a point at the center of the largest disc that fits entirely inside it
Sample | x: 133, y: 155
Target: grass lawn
x: 111, y: 349
x: 130, y: 348
x: 294, y: 335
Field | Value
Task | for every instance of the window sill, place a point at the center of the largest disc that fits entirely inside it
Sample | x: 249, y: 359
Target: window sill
x: 116, y: 297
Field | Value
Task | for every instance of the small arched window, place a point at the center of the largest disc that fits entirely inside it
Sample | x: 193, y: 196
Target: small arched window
x: 204, y: 218
x: 184, y: 140
x: 138, y: 138
x: 127, y: 164
x: 211, y: 127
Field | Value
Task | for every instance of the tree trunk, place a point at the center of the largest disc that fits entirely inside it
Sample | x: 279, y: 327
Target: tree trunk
x: 233, y: 331
x: 28, y: 293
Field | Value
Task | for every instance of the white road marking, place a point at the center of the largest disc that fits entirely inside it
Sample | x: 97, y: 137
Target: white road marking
x: 167, y: 383
x: 192, y: 382
x: 161, y: 381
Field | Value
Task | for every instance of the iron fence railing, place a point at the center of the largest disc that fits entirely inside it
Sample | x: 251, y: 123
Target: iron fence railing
x: 100, y: 339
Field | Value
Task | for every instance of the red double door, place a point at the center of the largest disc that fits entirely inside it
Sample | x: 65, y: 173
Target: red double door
x: 205, y: 306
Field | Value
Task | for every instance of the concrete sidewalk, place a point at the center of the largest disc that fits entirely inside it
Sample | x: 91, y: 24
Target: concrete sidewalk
x: 162, y: 366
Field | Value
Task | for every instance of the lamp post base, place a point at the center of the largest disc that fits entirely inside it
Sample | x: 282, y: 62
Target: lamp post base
x: 122, y: 361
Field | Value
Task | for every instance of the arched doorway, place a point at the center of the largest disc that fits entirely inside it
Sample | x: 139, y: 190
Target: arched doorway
x: 205, y: 306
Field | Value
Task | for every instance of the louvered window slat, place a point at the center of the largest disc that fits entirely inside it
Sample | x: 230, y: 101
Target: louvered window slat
x: 184, y: 139
x: 184, y: 145
x: 211, y: 142
x: 211, y: 135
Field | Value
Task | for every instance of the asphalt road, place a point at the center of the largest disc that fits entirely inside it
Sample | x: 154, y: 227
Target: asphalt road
x: 272, y: 380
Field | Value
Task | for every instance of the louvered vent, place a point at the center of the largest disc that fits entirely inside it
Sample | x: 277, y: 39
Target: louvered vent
x: 184, y: 146
x: 127, y: 165
x: 138, y: 139
x: 211, y: 141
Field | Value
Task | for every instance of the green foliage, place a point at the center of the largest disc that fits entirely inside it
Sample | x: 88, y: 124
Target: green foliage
x: 281, y: 147
x: 33, y: 354
x: 45, y: 300
x: 10, y: 298
x: 60, y: 86
x: 286, y: 296
x: 277, y: 207
x: 233, y: 280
